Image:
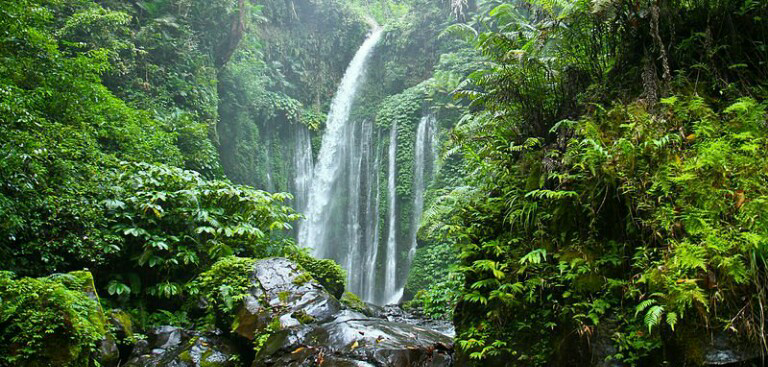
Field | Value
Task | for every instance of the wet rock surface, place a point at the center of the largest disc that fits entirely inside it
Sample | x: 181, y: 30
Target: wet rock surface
x: 293, y: 321
x: 395, y: 313
x: 107, y: 353
x: 727, y: 349
x: 176, y: 347
x: 357, y: 340
x: 282, y: 291
x: 315, y: 330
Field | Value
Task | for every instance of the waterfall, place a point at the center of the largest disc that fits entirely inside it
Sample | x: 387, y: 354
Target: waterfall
x: 341, y: 215
x: 419, y: 164
x: 341, y: 195
x: 312, y: 231
x: 354, y: 188
x: 435, y: 144
x: 302, y: 165
x: 425, y: 144
x: 369, y: 277
x: 391, y: 266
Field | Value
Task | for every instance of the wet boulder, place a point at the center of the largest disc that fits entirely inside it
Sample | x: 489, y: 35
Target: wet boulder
x: 169, y: 346
x: 727, y: 348
x: 290, y: 319
x: 282, y: 294
x: 413, y: 317
x: 353, y: 339
x: 107, y: 352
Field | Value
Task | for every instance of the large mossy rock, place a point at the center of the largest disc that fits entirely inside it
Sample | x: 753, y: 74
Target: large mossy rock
x: 294, y: 321
x: 169, y: 346
x: 121, y: 324
x: 51, y: 321
x: 282, y: 295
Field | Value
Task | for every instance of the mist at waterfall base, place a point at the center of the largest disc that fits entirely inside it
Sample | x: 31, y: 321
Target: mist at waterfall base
x: 349, y: 201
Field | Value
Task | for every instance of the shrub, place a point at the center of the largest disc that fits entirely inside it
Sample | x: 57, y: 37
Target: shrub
x: 225, y: 284
x: 174, y: 222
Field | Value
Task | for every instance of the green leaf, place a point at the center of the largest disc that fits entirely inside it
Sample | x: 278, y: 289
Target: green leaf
x: 536, y: 256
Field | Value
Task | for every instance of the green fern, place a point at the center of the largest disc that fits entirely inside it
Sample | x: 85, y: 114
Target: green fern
x: 672, y: 320
x: 653, y: 316
x: 536, y: 256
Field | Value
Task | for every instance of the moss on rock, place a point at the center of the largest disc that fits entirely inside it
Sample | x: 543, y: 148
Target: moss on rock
x: 225, y: 283
x: 122, y: 324
x: 353, y: 302
x: 326, y: 271
x: 52, y: 321
x: 186, y: 357
x: 303, y: 317
x: 302, y: 279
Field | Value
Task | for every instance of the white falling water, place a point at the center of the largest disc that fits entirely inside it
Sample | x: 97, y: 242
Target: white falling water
x: 312, y: 232
x: 341, y: 196
x: 425, y: 144
x: 435, y: 143
x: 423, y: 134
x: 390, y: 273
x: 302, y: 164
x: 354, y: 186
x: 369, y: 277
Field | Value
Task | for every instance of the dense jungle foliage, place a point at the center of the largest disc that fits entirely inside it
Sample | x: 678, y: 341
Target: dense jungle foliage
x: 90, y: 180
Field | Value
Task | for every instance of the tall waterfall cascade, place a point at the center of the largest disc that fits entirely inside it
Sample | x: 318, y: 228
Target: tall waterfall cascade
x: 329, y: 165
x: 426, y: 148
x: 390, y: 272
x: 349, y: 199
x: 333, y: 225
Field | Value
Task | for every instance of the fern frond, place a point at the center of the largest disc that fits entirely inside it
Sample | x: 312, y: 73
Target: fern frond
x: 653, y: 317
x: 459, y: 30
x: 643, y: 305
x: 672, y: 320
